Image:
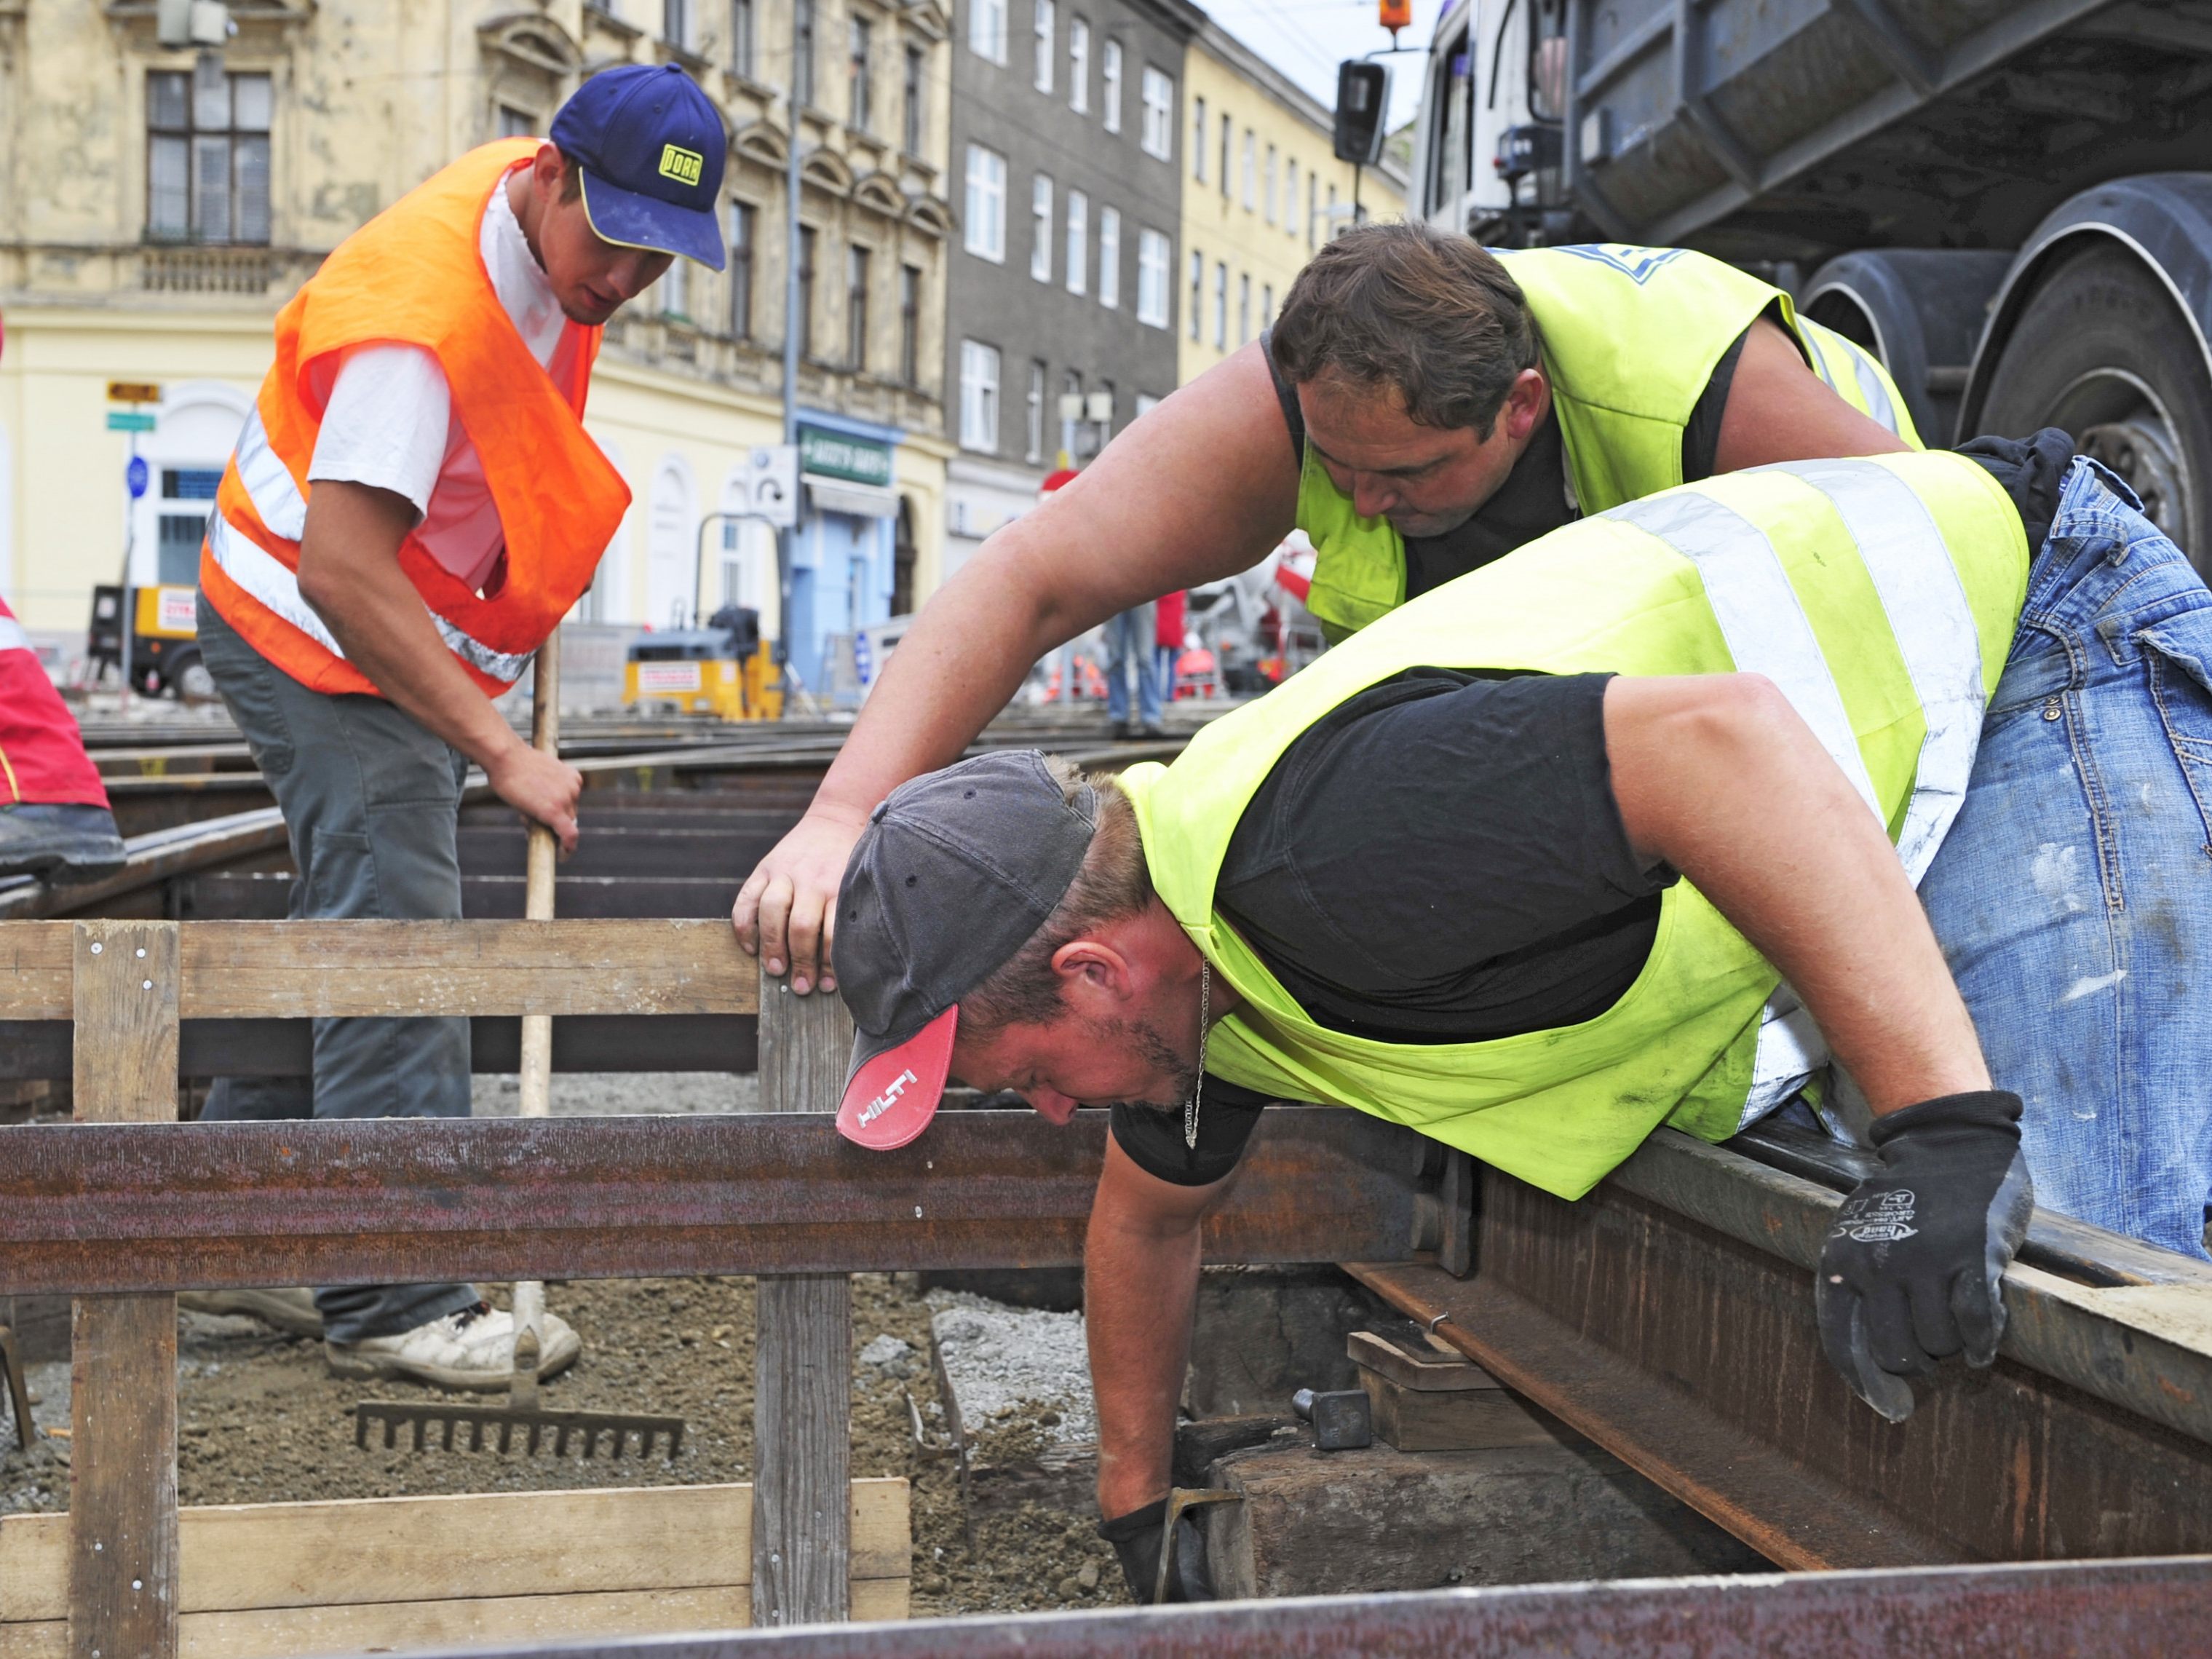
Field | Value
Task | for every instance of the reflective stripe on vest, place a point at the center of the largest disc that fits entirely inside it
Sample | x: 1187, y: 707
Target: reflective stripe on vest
x: 1824, y: 345
x: 1767, y: 633
x: 1880, y: 596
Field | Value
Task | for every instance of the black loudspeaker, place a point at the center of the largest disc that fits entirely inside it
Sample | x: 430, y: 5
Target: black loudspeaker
x: 1363, y: 97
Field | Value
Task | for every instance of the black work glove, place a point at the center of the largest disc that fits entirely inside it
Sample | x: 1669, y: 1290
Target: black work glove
x: 1136, y: 1539
x: 1910, y: 1270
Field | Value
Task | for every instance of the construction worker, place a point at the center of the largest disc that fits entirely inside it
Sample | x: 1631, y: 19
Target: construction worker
x: 412, y: 508
x: 1421, y: 407
x: 1581, y: 845
x: 54, y: 816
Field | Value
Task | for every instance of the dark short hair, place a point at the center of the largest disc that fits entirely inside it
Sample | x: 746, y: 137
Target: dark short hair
x: 572, y: 178
x: 1425, y: 312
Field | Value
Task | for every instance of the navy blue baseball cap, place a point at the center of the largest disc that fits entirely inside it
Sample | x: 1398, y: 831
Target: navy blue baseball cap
x: 650, y: 147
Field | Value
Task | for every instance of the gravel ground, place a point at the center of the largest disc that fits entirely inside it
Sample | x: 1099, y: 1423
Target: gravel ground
x: 261, y: 1420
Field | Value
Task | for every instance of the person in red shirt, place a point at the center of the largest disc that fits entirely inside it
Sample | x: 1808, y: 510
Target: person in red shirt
x: 1167, y: 634
x: 54, y: 816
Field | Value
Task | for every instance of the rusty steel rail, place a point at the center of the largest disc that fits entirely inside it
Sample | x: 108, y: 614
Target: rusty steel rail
x: 130, y: 1208
x: 2056, y: 1611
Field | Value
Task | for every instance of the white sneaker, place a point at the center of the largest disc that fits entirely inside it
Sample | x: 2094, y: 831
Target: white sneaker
x: 473, y: 1349
x: 291, y: 1311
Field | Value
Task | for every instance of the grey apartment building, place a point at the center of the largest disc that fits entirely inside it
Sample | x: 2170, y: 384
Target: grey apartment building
x: 1060, y: 290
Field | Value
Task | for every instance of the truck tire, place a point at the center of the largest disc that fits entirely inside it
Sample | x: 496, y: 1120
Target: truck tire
x: 2103, y: 351
x: 191, y: 680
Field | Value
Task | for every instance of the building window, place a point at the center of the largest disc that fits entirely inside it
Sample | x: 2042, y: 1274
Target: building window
x: 978, y: 395
x: 857, y: 73
x: 1109, y: 257
x: 1033, y: 415
x: 1109, y: 73
x: 1158, y: 135
x: 910, y: 133
x: 1313, y: 206
x: 1267, y: 189
x: 516, y: 123
x: 1145, y: 404
x: 742, y: 37
x: 676, y: 290
x: 1070, y: 410
x: 987, y: 203
x: 1197, y: 296
x: 207, y: 161
x: 1329, y: 231
x: 1041, y: 228
x: 1244, y: 309
x: 910, y: 324
x: 806, y: 292
x: 1251, y: 170
x: 1043, y: 27
x: 1079, y: 65
x: 1101, y: 398
x: 1290, y: 196
x: 857, y: 260
x: 1078, y: 258
x: 1155, y: 258
x: 1221, y: 307
x: 1266, y: 304
x: 986, y: 30
x: 1198, y: 139
x: 743, y: 223
x: 1225, y: 154
x: 676, y: 23
x: 802, y: 66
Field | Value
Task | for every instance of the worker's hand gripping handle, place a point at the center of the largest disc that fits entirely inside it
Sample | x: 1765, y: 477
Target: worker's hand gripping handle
x: 536, y: 1070
x: 1915, y: 1260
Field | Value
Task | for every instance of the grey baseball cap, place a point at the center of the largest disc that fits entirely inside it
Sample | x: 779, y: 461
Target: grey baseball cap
x: 954, y: 873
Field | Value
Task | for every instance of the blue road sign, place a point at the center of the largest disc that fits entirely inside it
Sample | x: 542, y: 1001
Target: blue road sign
x: 135, y: 475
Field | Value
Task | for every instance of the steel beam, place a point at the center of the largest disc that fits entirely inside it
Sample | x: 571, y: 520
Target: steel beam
x: 2059, y: 1611
x: 87, y: 1208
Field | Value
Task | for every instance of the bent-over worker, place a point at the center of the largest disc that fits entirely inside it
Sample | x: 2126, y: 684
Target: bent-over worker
x: 412, y: 508
x: 1421, y: 407
x: 1621, y: 831
x: 55, y: 820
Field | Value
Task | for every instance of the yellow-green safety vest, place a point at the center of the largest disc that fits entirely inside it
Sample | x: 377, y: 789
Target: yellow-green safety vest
x: 1630, y: 337
x: 1880, y: 595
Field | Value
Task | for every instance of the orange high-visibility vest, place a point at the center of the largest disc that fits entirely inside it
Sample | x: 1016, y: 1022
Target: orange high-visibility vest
x: 414, y: 276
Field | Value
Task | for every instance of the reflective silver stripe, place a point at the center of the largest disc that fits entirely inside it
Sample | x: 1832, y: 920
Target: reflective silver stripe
x: 268, y: 481
x: 1791, y: 1050
x: 1760, y: 618
x: 1933, y: 623
x: 1819, y: 356
x: 12, y: 636
x: 1878, y: 405
x: 250, y: 565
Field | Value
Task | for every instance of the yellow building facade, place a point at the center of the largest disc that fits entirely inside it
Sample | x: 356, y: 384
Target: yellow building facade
x: 158, y: 206
x: 1262, y: 189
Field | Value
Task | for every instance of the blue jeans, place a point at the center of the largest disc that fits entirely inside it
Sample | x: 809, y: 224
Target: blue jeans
x: 1129, y: 648
x: 2073, y: 896
x: 1163, y: 672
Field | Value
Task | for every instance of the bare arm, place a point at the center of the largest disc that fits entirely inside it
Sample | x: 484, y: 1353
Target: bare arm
x: 1778, y: 409
x: 1200, y: 488
x: 1139, y: 1287
x: 350, y: 573
x: 1718, y: 776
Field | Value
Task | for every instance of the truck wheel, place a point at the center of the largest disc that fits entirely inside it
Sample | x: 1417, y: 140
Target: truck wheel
x: 193, y: 681
x: 2103, y: 351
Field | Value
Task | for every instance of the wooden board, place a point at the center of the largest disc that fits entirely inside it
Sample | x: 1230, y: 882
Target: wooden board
x: 122, y: 1554
x: 1420, y: 1420
x: 402, y: 1627
x: 364, y: 1551
x: 299, y: 970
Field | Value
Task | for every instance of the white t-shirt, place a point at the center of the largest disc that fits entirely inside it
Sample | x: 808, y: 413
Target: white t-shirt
x: 388, y: 419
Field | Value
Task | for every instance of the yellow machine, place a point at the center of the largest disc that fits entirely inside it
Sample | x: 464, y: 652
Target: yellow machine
x: 725, y: 669
x: 165, y: 652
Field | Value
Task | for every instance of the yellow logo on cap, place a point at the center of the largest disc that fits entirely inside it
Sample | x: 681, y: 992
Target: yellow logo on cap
x: 684, y: 166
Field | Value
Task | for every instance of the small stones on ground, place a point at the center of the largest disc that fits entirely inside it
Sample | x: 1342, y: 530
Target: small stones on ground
x: 891, y: 1355
x: 1088, y: 1578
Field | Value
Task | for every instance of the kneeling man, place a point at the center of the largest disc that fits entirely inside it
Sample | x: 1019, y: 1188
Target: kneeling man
x: 1622, y: 830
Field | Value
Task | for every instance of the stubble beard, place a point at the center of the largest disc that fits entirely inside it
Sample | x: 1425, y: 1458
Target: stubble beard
x: 1158, y: 1054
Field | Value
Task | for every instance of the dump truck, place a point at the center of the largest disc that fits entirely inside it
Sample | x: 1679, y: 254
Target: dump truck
x: 164, y: 653
x: 2005, y: 200
x: 725, y: 669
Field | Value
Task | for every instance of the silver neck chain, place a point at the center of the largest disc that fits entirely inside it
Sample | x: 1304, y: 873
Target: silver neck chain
x: 1198, y: 1089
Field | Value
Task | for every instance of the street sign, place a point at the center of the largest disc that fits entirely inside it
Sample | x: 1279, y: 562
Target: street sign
x: 772, y: 483
x: 128, y: 420
x: 135, y: 475
x: 134, y: 391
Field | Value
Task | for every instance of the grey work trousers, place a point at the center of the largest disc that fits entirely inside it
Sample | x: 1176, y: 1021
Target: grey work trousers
x: 372, y: 803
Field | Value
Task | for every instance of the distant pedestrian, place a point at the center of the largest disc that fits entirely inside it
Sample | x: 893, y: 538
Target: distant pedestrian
x: 1172, y: 610
x: 1129, y: 647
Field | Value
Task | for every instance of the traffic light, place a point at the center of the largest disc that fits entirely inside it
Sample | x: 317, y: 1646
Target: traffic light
x: 1363, y: 94
x: 1396, y: 14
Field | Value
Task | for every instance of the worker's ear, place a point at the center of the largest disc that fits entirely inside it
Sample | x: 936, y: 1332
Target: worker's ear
x: 1095, y: 978
x: 1525, y: 404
